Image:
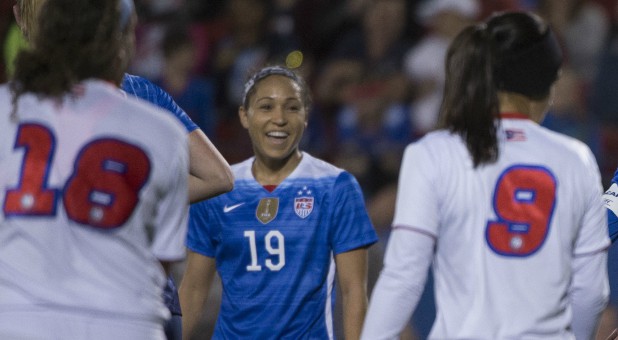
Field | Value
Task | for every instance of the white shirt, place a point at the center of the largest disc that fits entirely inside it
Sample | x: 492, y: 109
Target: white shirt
x: 503, y: 259
x: 94, y: 193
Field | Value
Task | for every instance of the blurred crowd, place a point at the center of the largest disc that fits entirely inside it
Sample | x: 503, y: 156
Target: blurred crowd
x: 375, y: 68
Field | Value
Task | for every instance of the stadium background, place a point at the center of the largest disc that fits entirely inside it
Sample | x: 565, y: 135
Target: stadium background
x: 375, y: 67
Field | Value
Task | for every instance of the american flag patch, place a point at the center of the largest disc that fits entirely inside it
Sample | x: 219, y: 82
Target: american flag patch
x: 515, y: 135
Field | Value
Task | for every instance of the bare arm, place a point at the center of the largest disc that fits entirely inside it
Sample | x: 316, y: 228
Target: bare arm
x: 352, y: 278
x: 194, y: 289
x: 210, y: 174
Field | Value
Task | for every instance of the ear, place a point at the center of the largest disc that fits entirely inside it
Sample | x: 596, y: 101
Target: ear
x: 244, y: 119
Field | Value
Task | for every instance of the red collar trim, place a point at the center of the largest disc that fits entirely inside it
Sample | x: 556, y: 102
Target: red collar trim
x: 270, y: 187
x: 513, y: 115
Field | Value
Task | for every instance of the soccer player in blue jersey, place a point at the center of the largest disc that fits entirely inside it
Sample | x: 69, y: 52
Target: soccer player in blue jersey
x: 277, y: 240
x: 209, y: 172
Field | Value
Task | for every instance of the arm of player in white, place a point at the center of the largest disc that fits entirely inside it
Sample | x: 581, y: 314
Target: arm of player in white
x: 409, y: 254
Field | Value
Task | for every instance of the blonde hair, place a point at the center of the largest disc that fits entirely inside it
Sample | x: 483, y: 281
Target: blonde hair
x: 29, y: 11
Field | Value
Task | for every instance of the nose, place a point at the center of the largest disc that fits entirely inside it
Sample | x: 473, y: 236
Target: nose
x: 278, y: 115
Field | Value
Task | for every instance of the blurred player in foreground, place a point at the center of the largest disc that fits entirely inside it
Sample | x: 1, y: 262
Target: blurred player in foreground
x: 209, y: 173
x: 509, y: 213
x: 279, y: 237
x: 93, y: 187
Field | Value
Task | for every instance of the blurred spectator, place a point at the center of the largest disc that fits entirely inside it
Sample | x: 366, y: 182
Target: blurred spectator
x: 319, y: 23
x: 373, y: 131
x: 569, y: 114
x: 195, y: 94
x: 380, y: 42
x: 331, y: 84
x: 604, y: 102
x: 154, y: 16
x: 249, y: 44
x: 424, y: 63
x: 583, y: 25
x: 364, y: 83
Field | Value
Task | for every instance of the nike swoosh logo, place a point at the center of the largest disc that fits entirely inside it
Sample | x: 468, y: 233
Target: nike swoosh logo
x: 227, y: 209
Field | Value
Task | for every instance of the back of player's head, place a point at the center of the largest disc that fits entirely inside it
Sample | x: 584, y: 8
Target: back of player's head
x: 527, y: 55
x: 511, y: 52
x: 76, y: 40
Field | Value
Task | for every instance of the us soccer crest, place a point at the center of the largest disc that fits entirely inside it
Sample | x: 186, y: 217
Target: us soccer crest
x: 303, y: 205
x: 267, y: 209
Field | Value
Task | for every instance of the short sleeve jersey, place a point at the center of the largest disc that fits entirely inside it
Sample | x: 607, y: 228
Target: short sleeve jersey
x: 274, y: 250
x: 93, y: 190
x: 506, y: 232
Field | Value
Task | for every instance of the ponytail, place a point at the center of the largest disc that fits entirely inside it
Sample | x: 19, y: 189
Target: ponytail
x: 512, y: 52
x: 470, y: 105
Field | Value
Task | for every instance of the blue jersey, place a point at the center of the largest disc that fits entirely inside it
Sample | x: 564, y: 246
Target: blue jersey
x: 611, y: 202
x: 274, y: 251
x: 146, y: 90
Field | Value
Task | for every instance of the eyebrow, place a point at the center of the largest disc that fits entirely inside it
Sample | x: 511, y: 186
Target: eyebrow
x: 273, y: 98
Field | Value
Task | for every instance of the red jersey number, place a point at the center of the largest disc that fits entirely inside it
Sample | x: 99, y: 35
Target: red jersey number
x: 101, y: 192
x: 524, y: 199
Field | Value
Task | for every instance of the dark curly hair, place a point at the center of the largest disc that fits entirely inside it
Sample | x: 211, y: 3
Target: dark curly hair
x: 75, y: 40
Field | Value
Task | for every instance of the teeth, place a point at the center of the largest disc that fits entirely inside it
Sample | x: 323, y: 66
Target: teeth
x: 277, y: 134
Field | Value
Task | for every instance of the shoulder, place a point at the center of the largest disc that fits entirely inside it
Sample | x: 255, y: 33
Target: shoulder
x: 437, y: 142
x: 570, y: 145
x: 312, y: 167
x: 150, y: 117
x: 131, y: 81
x: 242, y: 170
x: 329, y: 175
x: 147, y: 90
x: 142, y: 88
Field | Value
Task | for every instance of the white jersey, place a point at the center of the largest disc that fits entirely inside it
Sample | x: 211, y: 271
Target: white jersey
x: 93, y: 190
x: 506, y: 233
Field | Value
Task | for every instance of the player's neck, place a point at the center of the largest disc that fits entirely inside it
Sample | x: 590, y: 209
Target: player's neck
x: 273, y: 172
x: 516, y: 103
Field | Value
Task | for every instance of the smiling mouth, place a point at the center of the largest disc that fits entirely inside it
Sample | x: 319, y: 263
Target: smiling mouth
x: 278, y: 134
x: 277, y: 137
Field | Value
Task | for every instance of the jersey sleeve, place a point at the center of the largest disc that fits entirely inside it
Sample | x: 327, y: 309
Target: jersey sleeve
x: 199, y: 236
x: 172, y: 210
x: 417, y: 204
x: 593, y: 235
x: 148, y: 91
x: 352, y: 226
x: 610, y: 199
